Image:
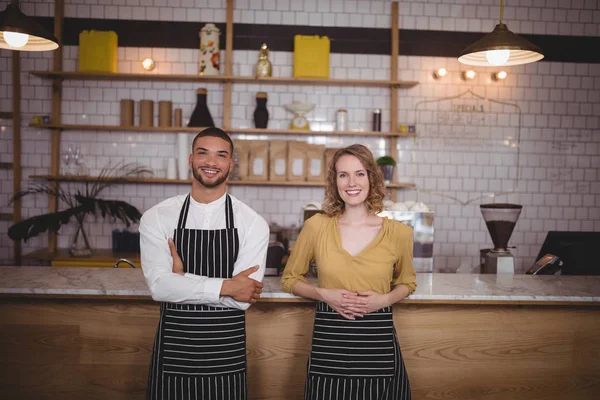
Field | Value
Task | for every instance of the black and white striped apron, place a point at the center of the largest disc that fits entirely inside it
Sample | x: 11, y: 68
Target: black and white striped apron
x: 355, y: 359
x: 200, y: 351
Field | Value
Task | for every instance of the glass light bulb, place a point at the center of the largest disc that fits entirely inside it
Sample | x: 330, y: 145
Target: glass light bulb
x: 502, y: 75
x: 148, y: 64
x: 442, y: 72
x: 497, y: 57
x: 15, y: 39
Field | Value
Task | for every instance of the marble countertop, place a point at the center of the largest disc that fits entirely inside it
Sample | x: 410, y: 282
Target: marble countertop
x: 451, y: 288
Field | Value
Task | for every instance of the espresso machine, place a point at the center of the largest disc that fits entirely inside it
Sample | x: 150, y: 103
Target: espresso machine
x: 500, y: 220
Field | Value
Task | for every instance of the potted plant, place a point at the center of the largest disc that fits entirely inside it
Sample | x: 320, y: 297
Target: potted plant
x: 79, y: 204
x: 387, y: 165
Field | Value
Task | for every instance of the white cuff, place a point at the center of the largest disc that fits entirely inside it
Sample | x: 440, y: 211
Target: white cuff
x: 212, y: 290
x: 231, y: 303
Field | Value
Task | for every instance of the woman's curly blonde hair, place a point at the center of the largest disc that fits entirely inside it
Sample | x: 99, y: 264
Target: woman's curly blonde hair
x: 333, y: 204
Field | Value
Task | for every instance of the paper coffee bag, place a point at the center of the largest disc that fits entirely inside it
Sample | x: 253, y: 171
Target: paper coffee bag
x: 296, y: 165
x: 315, y: 163
x: 259, y: 161
x: 278, y: 160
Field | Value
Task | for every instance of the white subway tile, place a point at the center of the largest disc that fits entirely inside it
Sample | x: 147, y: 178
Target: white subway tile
x: 560, y: 102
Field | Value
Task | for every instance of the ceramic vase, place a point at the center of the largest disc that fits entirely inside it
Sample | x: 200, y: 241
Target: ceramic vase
x: 261, y: 114
x: 210, y: 61
x: 201, y: 115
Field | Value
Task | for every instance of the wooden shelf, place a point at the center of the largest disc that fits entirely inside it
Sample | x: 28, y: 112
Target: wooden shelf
x: 103, y: 76
x: 75, y: 127
x: 6, y: 115
x: 322, y: 82
x: 109, y: 76
x: 78, y: 178
x: 318, y: 133
x: 6, y: 165
x: 99, y: 258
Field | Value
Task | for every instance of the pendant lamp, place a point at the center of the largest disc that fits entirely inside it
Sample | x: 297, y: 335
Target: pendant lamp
x: 500, y: 47
x: 23, y: 33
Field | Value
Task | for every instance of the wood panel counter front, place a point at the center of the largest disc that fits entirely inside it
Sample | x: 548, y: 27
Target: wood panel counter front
x: 87, y: 333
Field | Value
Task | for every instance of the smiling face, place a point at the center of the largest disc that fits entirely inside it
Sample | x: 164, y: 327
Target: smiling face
x: 211, y: 161
x: 352, y: 180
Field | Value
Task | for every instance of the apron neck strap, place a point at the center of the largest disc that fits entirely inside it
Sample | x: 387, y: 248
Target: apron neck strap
x: 229, y: 213
x: 183, y: 214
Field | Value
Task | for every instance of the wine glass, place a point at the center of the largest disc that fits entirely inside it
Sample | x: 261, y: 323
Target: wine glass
x: 81, y: 166
x: 76, y: 161
x: 67, y: 157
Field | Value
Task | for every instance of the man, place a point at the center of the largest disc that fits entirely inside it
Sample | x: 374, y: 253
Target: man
x: 203, y: 256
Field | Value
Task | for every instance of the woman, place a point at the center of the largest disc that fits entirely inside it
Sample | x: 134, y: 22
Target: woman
x: 365, y: 266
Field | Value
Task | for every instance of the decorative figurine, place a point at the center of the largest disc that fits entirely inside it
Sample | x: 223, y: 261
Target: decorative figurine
x: 209, y: 50
x: 263, y: 68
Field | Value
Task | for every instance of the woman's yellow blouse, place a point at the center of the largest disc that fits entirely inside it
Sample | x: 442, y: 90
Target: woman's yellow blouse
x: 386, y: 262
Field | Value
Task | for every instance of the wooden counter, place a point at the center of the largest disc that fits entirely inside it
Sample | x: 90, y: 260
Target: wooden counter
x: 85, y: 333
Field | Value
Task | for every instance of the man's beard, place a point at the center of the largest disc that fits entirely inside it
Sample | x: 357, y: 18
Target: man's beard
x: 216, y: 183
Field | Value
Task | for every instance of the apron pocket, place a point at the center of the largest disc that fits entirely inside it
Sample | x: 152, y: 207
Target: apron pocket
x: 204, y: 342
x: 363, y: 347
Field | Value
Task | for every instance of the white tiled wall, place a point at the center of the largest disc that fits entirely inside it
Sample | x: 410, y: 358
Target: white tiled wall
x: 544, y: 17
x: 558, y: 185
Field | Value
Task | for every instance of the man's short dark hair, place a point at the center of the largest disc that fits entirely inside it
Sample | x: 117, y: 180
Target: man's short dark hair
x: 214, y: 132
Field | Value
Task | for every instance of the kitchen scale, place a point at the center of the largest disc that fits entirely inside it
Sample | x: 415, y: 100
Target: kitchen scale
x: 299, y: 109
x: 500, y: 220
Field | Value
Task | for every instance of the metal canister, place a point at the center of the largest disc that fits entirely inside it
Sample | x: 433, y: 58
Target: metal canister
x: 341, y: 120
x: 377, y: 120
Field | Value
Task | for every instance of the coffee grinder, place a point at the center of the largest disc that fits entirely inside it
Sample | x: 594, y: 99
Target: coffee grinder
x: 500, y: 220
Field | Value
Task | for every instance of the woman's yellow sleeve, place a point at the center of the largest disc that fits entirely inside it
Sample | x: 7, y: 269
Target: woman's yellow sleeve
x: 404, y: 270
x: 302, y: 254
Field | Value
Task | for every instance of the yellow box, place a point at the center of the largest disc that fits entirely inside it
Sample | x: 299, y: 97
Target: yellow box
x: 311, y: 56
x: 98, y: 51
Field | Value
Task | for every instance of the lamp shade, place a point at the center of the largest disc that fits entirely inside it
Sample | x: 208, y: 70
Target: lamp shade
x: 16, y: 28
x: 481, y: 53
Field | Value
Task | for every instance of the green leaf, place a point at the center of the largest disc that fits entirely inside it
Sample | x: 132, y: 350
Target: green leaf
x: 117, y: 209
x: 386, y: 160
x: 33, y: 226
x: 80, y: 202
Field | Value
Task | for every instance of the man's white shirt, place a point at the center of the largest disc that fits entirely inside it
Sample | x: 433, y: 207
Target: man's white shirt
x: 158, y: 225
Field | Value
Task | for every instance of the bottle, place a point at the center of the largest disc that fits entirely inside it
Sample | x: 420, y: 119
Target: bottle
x: 263, y: 68
x: 261, y: 114
x: 377, y: 120
x: 201, y: 115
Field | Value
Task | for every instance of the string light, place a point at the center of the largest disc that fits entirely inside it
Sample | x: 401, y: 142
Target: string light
x: 499, y: 76
x: 440, y: 72
x: 148, y: 64
x: 469, y: 74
